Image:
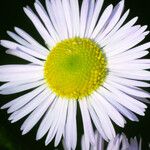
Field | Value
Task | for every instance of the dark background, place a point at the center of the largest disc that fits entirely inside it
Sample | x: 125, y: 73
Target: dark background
x: 11, y: 14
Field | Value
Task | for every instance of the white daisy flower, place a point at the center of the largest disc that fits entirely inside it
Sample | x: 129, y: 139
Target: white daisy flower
x: 120, y: 142
x: 87, y: 59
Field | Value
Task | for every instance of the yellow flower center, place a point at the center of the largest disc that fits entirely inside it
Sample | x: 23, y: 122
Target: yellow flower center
x: 75, y: 68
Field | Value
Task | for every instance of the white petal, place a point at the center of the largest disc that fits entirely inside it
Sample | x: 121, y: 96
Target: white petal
x: 84, y: 17
x: 110, y: 110
x: 52, y: 16
x: 19, y: 68
x: 112, y: 99
x: 21, y: 88
x: 125, y: 100
x: 47, y: 120
x: 128, y: 82
x: 127, y: 56
x: 70, y: 138
x: 56, y: 120
x: 34, y: 44
x: 25, y: 56
x: 23, y: 100
x: 68, y: 16
x: 75, y: 15
x: 127, y: 26
x: 15, y: 84
x: 17, y: 115
x: 47, y: 22
x: 136, y: 75
x: 125, y: 37
x: 74, y: 127
x: 119, y: 37
x: 40, y: 28
x: 115, y: 29
x: 60, y: 17
x: 125, y: 45
x: 90, y: 17
x: 96, y: 121
x: 132, y: 91
x: 87, y: 124
x: 15, y: 46
x: 62, y: 122
x: 115, y: 16
x: 23, y: 42
x: 21, y: 76
x: 102, y: 21
x: 36, y: 115
x: 98, y: 7
x: 129, y: 66
x: 104, y: 119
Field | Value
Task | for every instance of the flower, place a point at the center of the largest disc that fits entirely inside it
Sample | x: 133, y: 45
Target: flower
x: 120, y: 142
x: 87, y: 60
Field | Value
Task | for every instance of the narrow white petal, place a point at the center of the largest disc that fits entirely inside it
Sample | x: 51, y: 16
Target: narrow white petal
x: 40, y: 28
x: 104, y: 118
x: 15, y: 84
x: 47, y: 120
x: 127, y: 36
x: 141, y: 61
x: 87, y: 124
x: 52, y: 16
x: 128, y: 82
x: 17, y: 38
x: 120, y: 36
x: 83, y: 143
x: 15, y: 46
x: 129, y: 66
x: 23, y: 100
x: 115, y: 16
x: 127, y: 56
x: 99, y: 142
x: 136, y: 75
x: 125, y: 102
x: 60, y: 17
x: 112, y: 99
x: 127, y: 26
x: 21, y: 88
x: 90, y: 17
x: 19, y: 68
x: 36, y: 115
x: 61, y: 125
x: 18, y: 76
x: 132, y: 91
x: 75, y: 15
x: 98, y: 7
x: 111, y: 111
x: 125, y: 45
x: 96, y: 121
x: 70, y: 138
x: 102, y: 21
x: 34, y: 44
x: 139, y: 48
x: 68, y: 16
x: 26, y: 44
x: 25, y: 56
x: 17, y: 115
x: 56, y: 120
x: 74, y: 127
x: 84, y: 17
x: 115, y: 29
x: 47, y: 22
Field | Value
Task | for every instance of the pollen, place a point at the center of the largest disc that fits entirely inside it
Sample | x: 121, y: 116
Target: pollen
x: 75, y: 68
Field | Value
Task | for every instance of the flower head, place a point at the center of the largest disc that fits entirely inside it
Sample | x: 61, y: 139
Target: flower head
x: 87, y: 59
x: 120, y: 142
